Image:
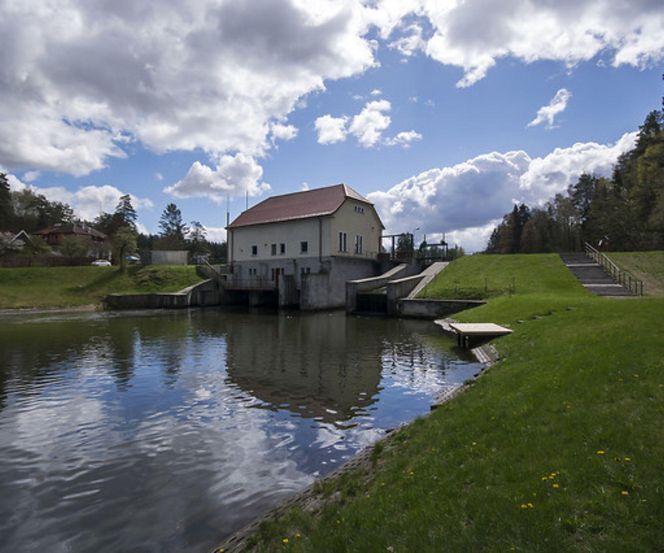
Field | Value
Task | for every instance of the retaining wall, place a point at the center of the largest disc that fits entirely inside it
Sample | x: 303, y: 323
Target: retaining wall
x: 432, y: 309
x: 199, y: 295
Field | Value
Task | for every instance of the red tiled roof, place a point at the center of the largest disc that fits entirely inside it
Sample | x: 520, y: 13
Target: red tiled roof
x: 318, y: 202
x: 71, y: 228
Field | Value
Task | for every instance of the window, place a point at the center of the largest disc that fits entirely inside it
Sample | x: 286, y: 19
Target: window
x: 304, y: 247
x: 358, y: 244
x: 342, y: 242
x: 359, y: 209
x: 254, y: 250
x: 282, y: 248
x: 274, y: 249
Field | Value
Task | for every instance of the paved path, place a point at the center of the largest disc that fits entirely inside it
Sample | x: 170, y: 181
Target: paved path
x: 593, y: 276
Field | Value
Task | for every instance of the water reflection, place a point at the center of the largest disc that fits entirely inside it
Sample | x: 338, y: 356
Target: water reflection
x: 167, y: 431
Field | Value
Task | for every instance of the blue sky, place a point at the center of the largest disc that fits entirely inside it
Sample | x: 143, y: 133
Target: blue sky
x: 240, y: 96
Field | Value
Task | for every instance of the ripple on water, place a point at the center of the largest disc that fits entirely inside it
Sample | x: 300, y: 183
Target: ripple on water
x: 168, y: 431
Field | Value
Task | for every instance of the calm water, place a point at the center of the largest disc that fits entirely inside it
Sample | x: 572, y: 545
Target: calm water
x: 167, y: 431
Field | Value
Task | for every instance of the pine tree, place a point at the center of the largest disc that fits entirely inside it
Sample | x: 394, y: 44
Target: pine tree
x: 6, y: 209
x: 125, y: 212
x: 171, y: 224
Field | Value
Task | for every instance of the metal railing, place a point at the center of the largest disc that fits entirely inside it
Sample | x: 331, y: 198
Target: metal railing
x: 621, y: 276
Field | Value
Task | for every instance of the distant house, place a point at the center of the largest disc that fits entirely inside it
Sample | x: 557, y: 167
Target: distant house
x: 55, y: 235
x: 308, y: 242
x: 21, y: 239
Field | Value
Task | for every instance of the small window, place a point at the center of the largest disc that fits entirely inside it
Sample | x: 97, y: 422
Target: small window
x: 304, y: 247
x: 358, y: 244
x: 254, y: 250
x: 274, y: 249
x: 282, y: 248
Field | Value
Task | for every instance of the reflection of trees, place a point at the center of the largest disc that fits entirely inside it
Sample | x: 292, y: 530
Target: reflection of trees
x: 35, y: 350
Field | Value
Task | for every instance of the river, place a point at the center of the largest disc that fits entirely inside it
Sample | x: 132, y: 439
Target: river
x: 169, y: 430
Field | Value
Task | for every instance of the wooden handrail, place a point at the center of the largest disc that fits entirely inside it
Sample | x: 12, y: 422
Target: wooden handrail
x: 621, y: 276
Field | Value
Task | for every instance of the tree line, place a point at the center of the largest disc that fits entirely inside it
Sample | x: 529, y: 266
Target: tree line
x: 29, y: 211
x: 622, y: 213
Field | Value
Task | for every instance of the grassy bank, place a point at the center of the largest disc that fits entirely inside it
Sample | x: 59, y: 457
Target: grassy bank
x: 647, y: 266
x: 485, y: 276
x: 559, y: 447
x: 43, y: 287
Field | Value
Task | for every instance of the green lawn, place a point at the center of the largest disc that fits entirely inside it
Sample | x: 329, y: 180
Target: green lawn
x: 483, y: 276
x: 558, y: 447
x: 74, y: 286
x: 647, y: 266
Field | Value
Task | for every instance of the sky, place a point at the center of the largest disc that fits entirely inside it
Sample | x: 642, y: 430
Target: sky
x: 443, y: 113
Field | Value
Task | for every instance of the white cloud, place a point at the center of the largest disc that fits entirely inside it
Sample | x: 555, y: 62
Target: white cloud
x: 158, y: 176
x: 368, y: 125
x: 331, y: 129
x: 404, y: 139
x: 466, y: 199
x: 88, y: 201
x: 283, y: 132
x: 233, y: 176
x: 80, y: 79
x: 547, y: 114
x: 31, y: 176
x: 553, y: 173
x: 215, y: 234
x: 410, y: 42
x: 473, y: 35
x: 376, y: 92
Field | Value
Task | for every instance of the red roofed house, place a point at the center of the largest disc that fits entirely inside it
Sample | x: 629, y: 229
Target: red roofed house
x: 306, y: 245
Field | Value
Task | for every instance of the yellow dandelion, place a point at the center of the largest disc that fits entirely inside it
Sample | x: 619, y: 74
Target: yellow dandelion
x: 531, y: 506
x: 624, y: 492
x: 524, y: 506
x: 545, y: 477
x: 600, y: 452
x: 284, y: 541
x: 555, y: 486
x: 297, y: 535
x: 628, y: 459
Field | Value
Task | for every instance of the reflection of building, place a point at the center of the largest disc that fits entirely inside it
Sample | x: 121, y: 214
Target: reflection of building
x: 306, y: 245
x: 320, y: 366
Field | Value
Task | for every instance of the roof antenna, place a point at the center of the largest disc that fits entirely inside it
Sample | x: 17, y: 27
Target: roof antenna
x: 228, y: 213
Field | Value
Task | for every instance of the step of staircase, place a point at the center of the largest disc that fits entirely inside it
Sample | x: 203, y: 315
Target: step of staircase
x: 593, y: 276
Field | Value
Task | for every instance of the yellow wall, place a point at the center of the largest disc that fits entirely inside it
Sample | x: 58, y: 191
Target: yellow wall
x: 354, y: 223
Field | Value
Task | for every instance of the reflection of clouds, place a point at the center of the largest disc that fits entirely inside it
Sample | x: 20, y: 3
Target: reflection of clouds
x: 195, y: 445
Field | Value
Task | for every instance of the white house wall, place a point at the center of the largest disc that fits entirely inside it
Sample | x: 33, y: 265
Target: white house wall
x: 290, y: 233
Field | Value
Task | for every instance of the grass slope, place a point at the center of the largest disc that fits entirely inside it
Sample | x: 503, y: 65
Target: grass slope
x: 559, y: 447
x: 482, y: 276
x: 73, y: 286
x: 647, y: 266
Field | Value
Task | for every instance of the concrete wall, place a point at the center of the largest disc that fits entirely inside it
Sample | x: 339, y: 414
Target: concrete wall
x: 203, y: 294
x: 400, y: 288
x: 433, y: 309
x: 168, y: 257
x: 372, y: 282
x: 328, y: 289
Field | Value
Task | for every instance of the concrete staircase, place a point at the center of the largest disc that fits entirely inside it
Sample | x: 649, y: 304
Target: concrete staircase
x: 593, y: 276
